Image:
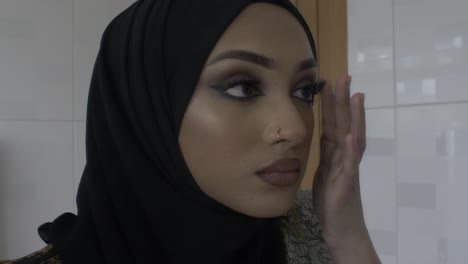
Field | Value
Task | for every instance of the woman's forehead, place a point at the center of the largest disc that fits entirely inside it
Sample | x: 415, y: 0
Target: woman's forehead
x: 265, y: 29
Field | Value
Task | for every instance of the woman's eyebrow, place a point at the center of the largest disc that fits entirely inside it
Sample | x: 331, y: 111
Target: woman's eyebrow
x: 259, y: 59
x: 248, y: 56
x: 307, y: 64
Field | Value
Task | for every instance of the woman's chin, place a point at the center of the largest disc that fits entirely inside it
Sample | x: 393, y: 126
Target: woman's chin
x: 269, y: 207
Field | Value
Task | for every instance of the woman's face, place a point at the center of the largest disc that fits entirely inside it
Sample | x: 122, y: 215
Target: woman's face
x: 229, y: 129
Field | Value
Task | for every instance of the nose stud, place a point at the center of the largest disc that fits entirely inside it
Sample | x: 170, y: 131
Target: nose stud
x: 278, y: 139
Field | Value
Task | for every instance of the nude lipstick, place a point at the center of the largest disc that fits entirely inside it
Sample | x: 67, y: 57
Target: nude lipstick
x: 283, y: 172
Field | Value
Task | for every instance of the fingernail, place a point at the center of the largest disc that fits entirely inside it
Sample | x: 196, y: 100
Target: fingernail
x: 363, y: 97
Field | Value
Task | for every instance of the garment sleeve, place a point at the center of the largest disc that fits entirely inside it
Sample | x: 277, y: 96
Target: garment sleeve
x: 46, y: 255
x: 304, y: 240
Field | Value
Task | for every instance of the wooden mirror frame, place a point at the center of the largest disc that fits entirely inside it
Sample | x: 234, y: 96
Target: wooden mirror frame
x: 328, y: 22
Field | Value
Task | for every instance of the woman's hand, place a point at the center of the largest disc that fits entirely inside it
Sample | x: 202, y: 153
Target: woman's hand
x: 337, y: 198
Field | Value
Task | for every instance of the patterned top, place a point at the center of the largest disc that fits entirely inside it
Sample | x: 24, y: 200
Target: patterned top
x: 43, y: 256
x: 303, y: 233
x: 300, y: 227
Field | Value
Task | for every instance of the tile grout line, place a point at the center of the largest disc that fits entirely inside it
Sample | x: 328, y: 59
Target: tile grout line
x: 35, y: 120
x: 395, y: 130
x: 433, y: 104
x: 416, y: 104
x: 73, y: 105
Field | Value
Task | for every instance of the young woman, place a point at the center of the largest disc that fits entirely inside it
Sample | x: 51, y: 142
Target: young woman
x: 198, y: 133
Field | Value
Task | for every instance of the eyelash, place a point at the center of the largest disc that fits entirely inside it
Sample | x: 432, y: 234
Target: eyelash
x: 313, y: 88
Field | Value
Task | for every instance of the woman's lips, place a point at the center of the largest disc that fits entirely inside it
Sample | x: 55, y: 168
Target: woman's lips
x: 282, y: 172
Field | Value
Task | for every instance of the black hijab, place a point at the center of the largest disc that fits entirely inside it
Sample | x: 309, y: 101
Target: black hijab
x: 137, y: 200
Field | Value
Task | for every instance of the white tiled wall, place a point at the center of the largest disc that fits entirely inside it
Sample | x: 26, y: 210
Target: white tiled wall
x: 410, y: 57
x: 47, y: 52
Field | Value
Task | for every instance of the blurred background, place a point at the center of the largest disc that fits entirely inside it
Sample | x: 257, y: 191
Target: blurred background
x: 410, y: 58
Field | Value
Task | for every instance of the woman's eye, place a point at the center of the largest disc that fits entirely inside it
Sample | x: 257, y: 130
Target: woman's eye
x: 241, y: 89
x: 308, y: 92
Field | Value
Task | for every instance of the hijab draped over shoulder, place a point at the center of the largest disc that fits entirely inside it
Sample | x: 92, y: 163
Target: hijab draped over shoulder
x: 137, y: 200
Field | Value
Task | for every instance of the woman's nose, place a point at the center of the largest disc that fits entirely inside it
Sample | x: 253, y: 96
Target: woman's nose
x: 287, y: 124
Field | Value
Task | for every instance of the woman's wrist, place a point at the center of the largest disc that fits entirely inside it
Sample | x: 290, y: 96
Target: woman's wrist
x: 358, y: 249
